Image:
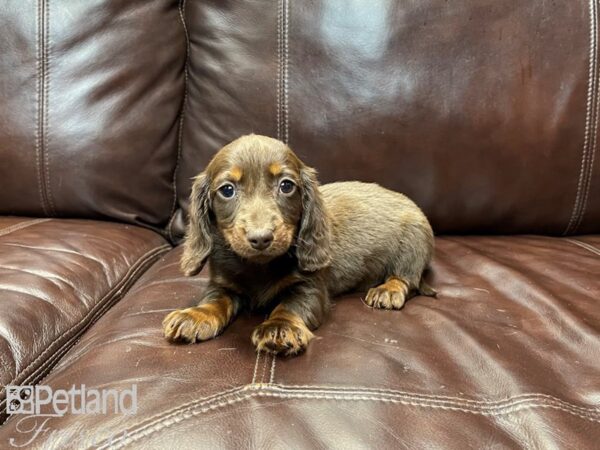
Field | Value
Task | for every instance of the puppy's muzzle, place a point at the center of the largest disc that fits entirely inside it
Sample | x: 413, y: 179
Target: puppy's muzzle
x: 260, y: 239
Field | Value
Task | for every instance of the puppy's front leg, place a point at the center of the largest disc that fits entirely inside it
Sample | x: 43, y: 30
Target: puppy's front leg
x: 215, y: 311
x: 287, y: 331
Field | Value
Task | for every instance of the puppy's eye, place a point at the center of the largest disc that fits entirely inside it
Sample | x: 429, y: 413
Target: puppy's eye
x: 287, y: 187
x: 227, y: 190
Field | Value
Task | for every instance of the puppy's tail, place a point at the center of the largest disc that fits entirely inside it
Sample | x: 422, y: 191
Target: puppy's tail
x: 425, y: 289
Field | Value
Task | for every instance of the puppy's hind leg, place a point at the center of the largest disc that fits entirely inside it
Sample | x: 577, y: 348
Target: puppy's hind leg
x: 390, y: 295
x: 426, y: 290
x: 395, y: 291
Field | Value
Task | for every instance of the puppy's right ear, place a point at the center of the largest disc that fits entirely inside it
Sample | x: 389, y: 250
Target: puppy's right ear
x: 198, y: 239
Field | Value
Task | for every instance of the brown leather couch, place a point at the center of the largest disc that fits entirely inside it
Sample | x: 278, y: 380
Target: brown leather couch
x: 485, y: 112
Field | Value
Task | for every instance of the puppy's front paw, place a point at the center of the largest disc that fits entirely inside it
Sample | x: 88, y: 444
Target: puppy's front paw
x: 192, y: 325
x: 281, y: 336
x: 390, y: 295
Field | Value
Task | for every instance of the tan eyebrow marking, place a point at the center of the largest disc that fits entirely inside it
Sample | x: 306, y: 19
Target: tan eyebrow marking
x: 275, y: 169
x: 236, y: 173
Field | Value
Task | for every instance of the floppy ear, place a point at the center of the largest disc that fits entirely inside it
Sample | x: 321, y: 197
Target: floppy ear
x: 198, y: 239
x: 314, y: 235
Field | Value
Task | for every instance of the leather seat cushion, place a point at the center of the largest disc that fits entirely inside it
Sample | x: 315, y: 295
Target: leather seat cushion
x: 56, y: 278
x: 508, y: 354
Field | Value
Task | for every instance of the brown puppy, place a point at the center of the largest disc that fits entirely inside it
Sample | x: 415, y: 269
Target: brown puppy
x: 275, y: 238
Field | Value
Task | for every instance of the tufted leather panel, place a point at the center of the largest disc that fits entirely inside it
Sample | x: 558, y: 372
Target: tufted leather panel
x: 483, y: 111
x: 508, y: 356
x: 56, y: 278
x: 91, y: 98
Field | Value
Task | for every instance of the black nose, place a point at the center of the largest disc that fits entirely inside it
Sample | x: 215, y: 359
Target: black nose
x: 260, y: 239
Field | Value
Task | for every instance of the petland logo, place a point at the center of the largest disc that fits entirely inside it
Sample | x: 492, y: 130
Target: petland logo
x: 39, y: 404
x: 35, y: 399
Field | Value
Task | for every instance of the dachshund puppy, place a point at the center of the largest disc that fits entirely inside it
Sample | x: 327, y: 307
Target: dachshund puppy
x: 277, y: 240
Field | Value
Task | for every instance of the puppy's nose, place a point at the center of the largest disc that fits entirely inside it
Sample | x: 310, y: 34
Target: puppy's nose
x: 260, y: 239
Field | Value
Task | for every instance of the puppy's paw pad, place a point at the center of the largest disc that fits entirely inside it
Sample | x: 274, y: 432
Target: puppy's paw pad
x: 383, y: 297
x: 191, y: 325
x: 281, y: 337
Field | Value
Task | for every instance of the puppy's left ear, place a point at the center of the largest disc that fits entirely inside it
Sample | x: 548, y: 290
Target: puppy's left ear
x: 314, y: 236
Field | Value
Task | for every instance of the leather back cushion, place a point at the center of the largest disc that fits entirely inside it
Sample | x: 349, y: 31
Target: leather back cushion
x: 90, y: 98
x: 482, y: 111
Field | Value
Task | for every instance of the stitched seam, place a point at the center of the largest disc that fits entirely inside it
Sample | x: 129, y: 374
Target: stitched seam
x: 431, y: 399
x: 585, y: 245
x: 21, y: 226
x: 151, y: 428
x: 593, y: 106
x: 282, y: 71
x: 279, y: 65
x: 170, y: 228
x: 88, y: 319
x: 590, y: 104
x: 232, y: 397
x: 286, y: 125
x: 594, y: 135
x: 258, y: 355
x: 264, y: 369
x: 46, y: 80
x: 39, y: 103
x: 482, y: 404
x: 181, y: 118
x: 473, y: 410
x: 492, y: 411
x: 272, y: 377
x: 255, y: 367
x: 148, y: 423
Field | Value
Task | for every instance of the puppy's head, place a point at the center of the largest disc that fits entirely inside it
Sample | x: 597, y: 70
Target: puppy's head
x: 262, y: 200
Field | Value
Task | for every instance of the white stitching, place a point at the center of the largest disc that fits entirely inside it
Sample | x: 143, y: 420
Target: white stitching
x: 21, y: 225
x: 258, y: 355
x: 272, y: 377
x: 437, y: 398
x: 264, y: 369
x: 256, y: 367
x: 590, y: 104
x: 481, y: 411
x: 152, y: 428
x: 181, y: 119
x: 496, y: 404
x: 585, y: 245
x: 46, y: 80
x: 595, y: 132
x: 279, y: 78
x: 38, y: 93
x: 234, y: 396
x: 286, y: 14
x: 283, y: 127
x: 357, y: 395
x: 151, y: 421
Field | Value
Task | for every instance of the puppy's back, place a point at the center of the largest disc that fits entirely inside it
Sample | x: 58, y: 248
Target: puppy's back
x: 376, y: 233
